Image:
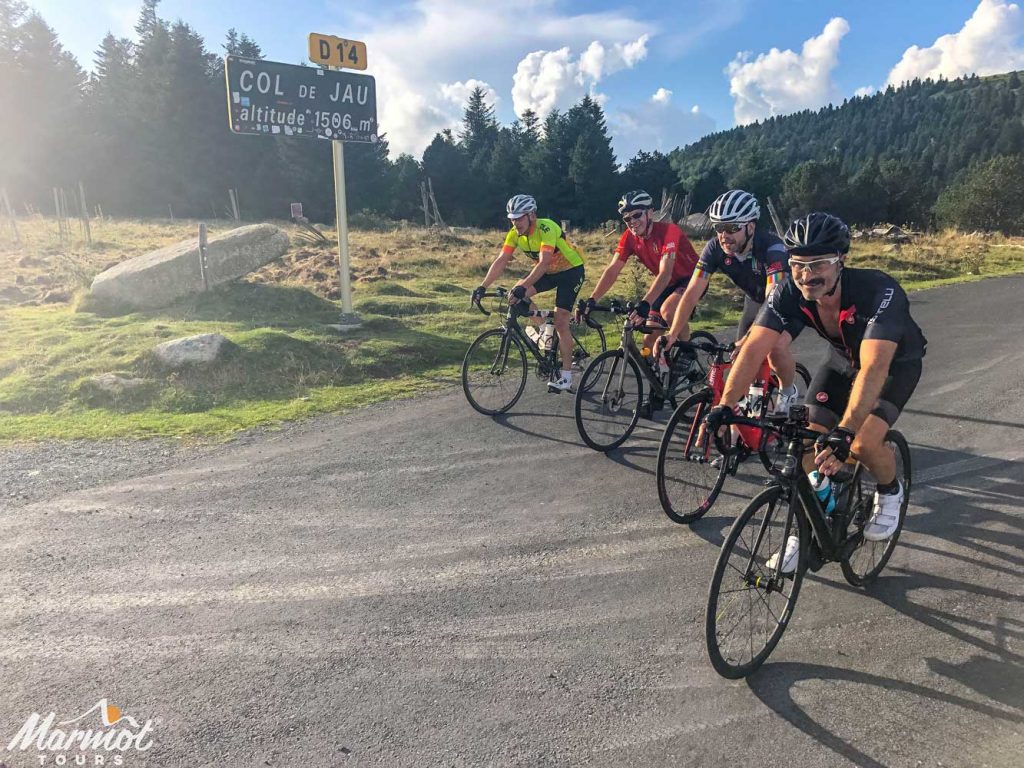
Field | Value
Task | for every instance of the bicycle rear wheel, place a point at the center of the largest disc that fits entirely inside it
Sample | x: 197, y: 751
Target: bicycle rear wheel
x: 588, y: 343
x: 750, y: 604
x: 494, y: 372
x: 688, y: 482
x: 867, y: 558
x: 608, y: 400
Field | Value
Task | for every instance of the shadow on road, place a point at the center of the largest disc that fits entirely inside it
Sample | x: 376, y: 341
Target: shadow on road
x: 983, y: 543
x: 774, y: 685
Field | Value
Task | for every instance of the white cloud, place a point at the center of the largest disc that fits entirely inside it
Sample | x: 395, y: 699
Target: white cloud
x: 656, y: 125
x: 779, y: 82
x: 421, y: 55
x: 547, y: 80
x: 866, y: 90
x: 988, y: 43
x: 662, y: 96
x: 458, y: 93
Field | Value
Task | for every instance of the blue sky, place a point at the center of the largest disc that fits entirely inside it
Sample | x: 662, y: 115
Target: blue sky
x: 666, y: 73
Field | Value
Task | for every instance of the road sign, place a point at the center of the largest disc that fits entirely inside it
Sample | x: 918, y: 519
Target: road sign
x: 330, y: 51
x: 273, y: 99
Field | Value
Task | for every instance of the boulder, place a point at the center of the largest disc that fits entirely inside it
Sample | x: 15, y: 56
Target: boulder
x: 162, y: 277
x: 114, y: 384
x: 203, y: 349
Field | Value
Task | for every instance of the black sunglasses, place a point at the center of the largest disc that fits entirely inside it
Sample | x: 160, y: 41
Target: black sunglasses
x: 632, y: 216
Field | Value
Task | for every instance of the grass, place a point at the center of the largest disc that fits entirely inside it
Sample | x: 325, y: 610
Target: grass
x: 411, y: 289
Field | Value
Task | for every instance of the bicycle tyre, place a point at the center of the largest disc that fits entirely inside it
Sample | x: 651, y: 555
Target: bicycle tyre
x: 596, y: 404
x: 583, y: 352
x: 867, y: 558
x: 688, y: 485
x: 751, y: 542
x: 478, y: 371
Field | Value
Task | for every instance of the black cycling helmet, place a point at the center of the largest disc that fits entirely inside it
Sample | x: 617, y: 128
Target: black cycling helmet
x: 817, y: 234
x: 636, y: 200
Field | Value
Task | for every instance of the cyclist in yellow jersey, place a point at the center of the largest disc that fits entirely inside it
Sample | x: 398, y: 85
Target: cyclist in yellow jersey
x: 559, y: 267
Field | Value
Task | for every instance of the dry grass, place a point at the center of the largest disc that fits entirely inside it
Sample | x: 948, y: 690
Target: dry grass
x: 411, y: 288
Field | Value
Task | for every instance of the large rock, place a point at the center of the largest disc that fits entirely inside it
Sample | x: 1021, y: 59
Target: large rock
x: 203, y: 349
x: 162, y: 277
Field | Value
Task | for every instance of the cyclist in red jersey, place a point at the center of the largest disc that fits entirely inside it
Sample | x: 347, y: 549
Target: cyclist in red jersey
x: 662, y: 248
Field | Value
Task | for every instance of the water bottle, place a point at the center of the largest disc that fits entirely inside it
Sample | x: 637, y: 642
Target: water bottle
x: 547, y: 335
x: 823, y: 490
x: 663, y: 364
x: 754, y: 397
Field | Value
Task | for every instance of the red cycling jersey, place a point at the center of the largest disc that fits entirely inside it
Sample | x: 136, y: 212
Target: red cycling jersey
x: 663, y: 239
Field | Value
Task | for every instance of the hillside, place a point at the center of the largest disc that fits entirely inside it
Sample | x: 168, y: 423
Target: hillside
x: 913, y: 141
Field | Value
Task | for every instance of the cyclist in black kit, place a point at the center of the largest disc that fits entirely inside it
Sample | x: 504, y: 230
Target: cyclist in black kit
x: 756, y: 262
x: 873, y: 365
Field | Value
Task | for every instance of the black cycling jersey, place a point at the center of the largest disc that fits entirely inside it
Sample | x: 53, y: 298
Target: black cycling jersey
x: 872, y: 305
x: 766, y: 258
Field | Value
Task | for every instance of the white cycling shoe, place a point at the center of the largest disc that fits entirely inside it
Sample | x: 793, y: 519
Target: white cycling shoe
x: 562, y: 384
x: 789, y: 559
x: 786, y: 398
x: 885, y: 516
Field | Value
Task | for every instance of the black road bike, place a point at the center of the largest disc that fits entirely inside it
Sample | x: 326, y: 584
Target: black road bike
x: 751, y: 598
x: 610, y: 399
x: 495, y: 367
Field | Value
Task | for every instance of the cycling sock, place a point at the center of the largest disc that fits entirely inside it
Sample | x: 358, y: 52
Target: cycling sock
x: 567, y: 375
x: 889, y: 489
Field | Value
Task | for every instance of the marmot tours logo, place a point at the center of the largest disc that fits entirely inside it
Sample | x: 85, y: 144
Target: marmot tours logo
x: 102, y: 735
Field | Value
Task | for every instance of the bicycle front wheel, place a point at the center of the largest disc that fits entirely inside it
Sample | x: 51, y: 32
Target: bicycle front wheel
x: 867, y: 558
x: 608, y: 400
x: 688, y: 480
x: 587, y: 343
x: 750, y: 600
x: 494, y: 372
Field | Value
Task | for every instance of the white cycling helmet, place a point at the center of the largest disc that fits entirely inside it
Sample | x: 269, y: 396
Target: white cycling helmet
x: 519, y: 205
x: 637, y: 200
x: 734, y: 207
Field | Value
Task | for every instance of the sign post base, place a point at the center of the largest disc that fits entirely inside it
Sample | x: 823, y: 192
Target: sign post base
x: 347, y: 321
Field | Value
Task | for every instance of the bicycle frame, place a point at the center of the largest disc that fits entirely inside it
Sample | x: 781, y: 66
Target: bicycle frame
x: 829, y: 538
x: 752, y: 436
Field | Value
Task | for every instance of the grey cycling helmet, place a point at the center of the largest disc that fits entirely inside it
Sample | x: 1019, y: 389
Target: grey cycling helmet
x: 519, y: 205
x: 817, y: 234
x: 734, y: 207
x: 637, y: 200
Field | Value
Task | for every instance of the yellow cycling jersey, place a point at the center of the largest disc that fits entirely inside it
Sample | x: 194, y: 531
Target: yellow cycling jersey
x: 546, y: 235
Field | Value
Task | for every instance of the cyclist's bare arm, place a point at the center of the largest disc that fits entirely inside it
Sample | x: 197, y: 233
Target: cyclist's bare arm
x: 681, y: 322
x: 760, y: 341
x: 668, y: 261
x: 608, y: 278
x: 875, y: 357
x: 497, y: 268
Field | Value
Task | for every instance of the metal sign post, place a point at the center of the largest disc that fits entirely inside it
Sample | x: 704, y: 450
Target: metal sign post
x: 341, y: 212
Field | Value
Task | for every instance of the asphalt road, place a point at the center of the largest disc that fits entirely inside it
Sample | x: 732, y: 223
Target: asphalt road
x: 419, y: 585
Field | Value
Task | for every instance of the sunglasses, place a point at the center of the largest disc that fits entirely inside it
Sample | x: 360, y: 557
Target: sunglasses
x: 816, y: 266
x: 633, y: 216
x: 728, y: 229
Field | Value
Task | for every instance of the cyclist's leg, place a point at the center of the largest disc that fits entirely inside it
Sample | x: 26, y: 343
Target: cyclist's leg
x: 567, y: 285
x: 827, y: 397
x: 665, y: 305
x: 869, y: 444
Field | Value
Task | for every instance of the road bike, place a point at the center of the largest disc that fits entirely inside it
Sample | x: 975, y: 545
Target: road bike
x: 610, y: 399
x: 751, y: 598
x: 690, y: 473
x: 495, y: 367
